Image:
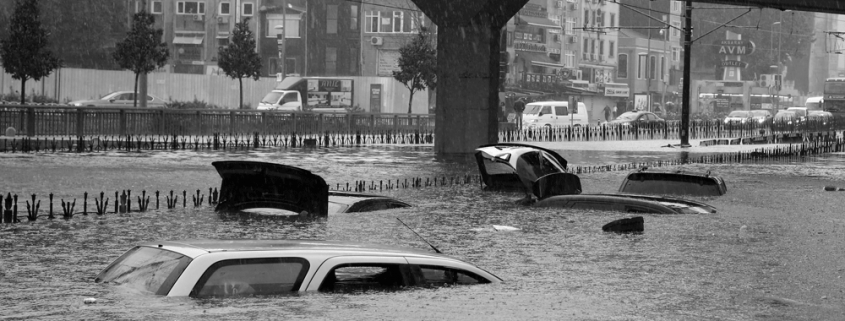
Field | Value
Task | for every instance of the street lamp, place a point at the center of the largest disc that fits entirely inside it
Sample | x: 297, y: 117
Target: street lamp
x: 777, y: 67
x: 280, y: 41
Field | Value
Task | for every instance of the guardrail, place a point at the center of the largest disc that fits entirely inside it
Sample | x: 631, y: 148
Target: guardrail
x: 90, y: 121
x: 699, y: 129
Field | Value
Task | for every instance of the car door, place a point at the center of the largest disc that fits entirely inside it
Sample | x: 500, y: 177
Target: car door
x: 561, y: 116
x: 345, y: 274
x: 290, y: 100
x: 124, y: 99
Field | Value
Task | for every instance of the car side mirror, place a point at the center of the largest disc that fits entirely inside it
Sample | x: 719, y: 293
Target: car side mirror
x: 540, y: 114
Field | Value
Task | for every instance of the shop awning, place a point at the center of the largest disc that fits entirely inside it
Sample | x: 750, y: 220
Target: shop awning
x: 538, y: 59
x: 187, y: 40
x: 538, y: 22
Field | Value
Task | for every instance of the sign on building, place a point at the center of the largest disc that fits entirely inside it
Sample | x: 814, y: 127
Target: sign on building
x: 388, y: 62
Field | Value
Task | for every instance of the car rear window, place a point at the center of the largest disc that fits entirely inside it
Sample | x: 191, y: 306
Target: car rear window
x: 671, y: 184
x: 355, y: 278
x: 246, y: 277
x: 147, y: 269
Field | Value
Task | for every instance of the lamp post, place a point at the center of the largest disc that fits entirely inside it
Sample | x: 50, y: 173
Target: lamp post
x: 281, y: 39
x: 777, y: 67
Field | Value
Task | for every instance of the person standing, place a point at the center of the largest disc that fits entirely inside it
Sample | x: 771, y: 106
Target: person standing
x: 518, y: 108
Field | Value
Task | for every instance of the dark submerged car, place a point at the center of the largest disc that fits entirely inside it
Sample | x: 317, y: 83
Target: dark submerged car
x: 261, y: 188
x: 639, y: 119
x: 677, y: 182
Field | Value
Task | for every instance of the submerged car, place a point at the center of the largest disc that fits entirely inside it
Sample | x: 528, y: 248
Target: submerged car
x: 542, y: 173
x: 630, y: 203
x: 276, y: 189
x: 119, y: 99
x: 675, y: 182
x: 739, y: 118
x: 638, y: 119
x: 233, y: 268
x: 524, y: 167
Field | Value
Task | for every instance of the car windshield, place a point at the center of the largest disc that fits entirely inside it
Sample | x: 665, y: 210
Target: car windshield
x: 110, y: 95
x: 739, y: 113
x: 785, y: 115
x: 272, y: 97
x: 533, y: 109
x: 760, y: 113
x: 627, y: 116
x: 146, y: 269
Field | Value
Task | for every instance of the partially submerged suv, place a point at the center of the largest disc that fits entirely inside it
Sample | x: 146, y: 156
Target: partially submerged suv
x: 231, y: 268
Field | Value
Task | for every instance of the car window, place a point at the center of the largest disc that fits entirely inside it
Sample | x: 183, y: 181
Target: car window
x: 546, y: 110
x: 290, y: 97
x: 244, y: 277
x: 375, y: 205
x: 435, y: 276
x: 561, y: 111
x: 362, y: 277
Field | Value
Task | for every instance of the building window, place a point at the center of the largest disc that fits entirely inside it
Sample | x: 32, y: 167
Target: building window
x: 225, y: 8
x: 663, y: 68
x: 155, y: 7
x: 622, y: 70
x: 353, y: 17
x: 586, y: 17
x: 612, y: 20
x: 676, y: 54
x: 570, y: 26
x: 398, y: 21
x: 353, y: 60
x: 641, y: 63
x: 331, y: 61
x: 291, y: 25
x: 331, y: 19
x: 247, y: 9
x: 676, y: 28
x: 652, y: 68
x: 190, y: 7
x: 676, y: 6
x: 601, y: 48
x: 586, y: 50
x: 610, y: 49
x: 372, y: 21
x: 569, y: 59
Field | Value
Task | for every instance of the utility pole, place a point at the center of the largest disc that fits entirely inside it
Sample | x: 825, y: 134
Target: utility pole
x: 686, y: 85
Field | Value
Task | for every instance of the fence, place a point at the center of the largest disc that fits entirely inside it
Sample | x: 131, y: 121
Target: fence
x: 700, y: 129
x: 122, y: 202
x: 73, y: 121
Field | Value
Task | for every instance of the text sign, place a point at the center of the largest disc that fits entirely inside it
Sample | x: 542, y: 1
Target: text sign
x: 733, y: 63
x: 735, y: 47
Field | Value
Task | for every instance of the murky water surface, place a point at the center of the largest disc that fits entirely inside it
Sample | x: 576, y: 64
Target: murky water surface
x: 786, y: 265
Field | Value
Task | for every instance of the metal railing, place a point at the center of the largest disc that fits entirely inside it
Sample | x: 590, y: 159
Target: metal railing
x: 88, y: 121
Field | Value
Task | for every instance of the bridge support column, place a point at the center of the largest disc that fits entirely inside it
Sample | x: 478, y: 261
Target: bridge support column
x: 467, y: 71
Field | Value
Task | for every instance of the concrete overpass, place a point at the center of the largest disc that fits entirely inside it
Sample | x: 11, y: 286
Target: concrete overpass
x: 468, y: 59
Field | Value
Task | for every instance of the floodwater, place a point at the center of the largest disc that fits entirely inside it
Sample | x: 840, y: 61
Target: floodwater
x: 785, y: 264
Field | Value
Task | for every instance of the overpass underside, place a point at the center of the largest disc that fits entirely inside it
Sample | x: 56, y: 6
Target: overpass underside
x: 468, y: 58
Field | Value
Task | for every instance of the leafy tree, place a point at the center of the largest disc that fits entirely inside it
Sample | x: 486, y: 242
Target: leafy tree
x: 24, y: 51
x: 239, y: 59
x: 142, y: 51
x: 417, y: 64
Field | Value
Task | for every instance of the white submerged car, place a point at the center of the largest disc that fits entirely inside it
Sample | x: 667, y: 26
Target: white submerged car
x: 226, y: 268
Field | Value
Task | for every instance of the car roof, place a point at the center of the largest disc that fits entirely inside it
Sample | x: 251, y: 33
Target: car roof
x: 197, y: 247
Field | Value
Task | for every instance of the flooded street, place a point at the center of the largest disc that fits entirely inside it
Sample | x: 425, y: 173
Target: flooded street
x: 786, y: 264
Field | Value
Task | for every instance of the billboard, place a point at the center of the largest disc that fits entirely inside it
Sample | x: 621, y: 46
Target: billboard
x: 330, y: 93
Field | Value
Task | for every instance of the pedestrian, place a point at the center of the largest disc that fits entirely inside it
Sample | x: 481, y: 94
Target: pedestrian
x: 607, y: 113
x: 518, y: 108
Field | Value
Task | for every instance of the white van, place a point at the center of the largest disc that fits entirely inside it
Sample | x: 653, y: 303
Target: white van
x: 554, y: 114
x: 814, y: 103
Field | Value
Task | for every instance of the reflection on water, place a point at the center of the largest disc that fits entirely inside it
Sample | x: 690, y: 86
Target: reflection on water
x: 558, y: 264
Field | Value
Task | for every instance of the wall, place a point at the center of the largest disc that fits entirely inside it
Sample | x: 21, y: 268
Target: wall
x: 76, y: 84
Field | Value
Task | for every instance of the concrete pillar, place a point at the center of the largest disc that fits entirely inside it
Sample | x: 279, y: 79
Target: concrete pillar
x: 467, y: 71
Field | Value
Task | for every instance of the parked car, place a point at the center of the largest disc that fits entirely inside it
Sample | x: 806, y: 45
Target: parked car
x: 630, y: 203
x: 762, y: 117
x: 786, y: 120
x: 121, y: 98
x: 639, y: 119
x: 674, y: 182
x: 232, y: 268
x: 276, y: 189
x: 801, y: 112
x: 554, y: 114
x: 738, y: 119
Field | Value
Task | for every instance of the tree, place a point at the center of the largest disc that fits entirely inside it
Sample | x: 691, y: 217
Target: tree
x: 142, y: 51
x: 417, y: 65
x: 24, y: 52
x: 239, y: 59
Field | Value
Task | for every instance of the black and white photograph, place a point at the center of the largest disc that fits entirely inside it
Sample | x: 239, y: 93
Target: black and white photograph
x: 422, y: 160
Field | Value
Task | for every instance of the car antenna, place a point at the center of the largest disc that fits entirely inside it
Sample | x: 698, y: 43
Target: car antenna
x: 415, y: 233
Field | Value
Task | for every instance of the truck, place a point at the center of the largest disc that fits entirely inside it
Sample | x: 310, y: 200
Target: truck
x: 327, y: 94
